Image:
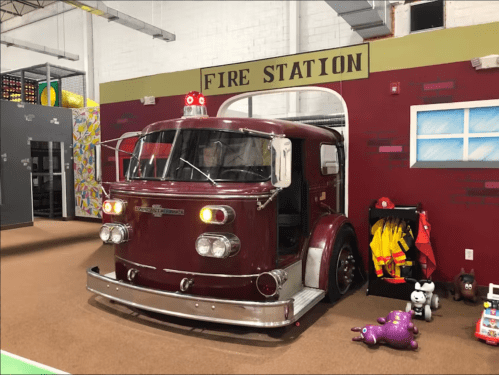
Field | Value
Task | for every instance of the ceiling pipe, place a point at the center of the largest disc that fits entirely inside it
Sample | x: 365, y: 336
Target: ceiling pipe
x: 11, y: 42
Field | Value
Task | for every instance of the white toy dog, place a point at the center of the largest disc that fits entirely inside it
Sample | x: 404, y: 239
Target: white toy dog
x: 422, y: 300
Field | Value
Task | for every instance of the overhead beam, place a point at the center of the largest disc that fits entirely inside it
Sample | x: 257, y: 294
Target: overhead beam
x: 36, y: 6
x: 100, y: 9
x: 9, y: 12
x: 11, y: 42
x: 32, y: 17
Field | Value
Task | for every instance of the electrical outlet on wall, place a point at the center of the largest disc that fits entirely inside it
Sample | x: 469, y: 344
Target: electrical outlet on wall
x: 468, y: 254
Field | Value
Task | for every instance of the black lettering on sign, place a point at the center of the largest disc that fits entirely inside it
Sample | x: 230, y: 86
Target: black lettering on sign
x: 323, y: 66
x: 232, y: 78
x: 268, y: 74
x: 221, y: 74
x: 341, y: 60
x: 308, y: 63
x: 295, y: 70
x: 207, y: 80
x: 356, y: 64
x: 281, y: 71
x: 243, y: 77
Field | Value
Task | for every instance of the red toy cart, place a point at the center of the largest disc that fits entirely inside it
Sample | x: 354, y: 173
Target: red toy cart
x: 487, y: 328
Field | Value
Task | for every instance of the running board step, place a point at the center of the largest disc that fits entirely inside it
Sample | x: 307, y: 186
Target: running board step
x: 305, y: 299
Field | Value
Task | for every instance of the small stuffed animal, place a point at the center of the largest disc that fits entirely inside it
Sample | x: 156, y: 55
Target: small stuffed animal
x: 397, y: 330
x: 465, y: 286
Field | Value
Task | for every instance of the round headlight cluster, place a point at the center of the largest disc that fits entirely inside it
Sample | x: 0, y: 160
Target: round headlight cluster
x: 114, y: 233
x: 105, y: 233
x: 217, y: 245
x: 203, y: 246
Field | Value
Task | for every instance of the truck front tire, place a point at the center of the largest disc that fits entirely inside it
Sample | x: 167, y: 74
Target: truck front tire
x: 342, y: 264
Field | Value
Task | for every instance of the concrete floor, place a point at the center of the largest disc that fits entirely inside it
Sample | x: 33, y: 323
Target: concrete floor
x: 48, y: 316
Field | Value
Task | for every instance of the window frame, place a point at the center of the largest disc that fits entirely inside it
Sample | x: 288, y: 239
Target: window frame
x: 466, y: 106
x: 422, y: 2
x: 324, y: 162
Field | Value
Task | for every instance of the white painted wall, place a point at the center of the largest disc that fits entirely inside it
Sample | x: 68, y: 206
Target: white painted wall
x: 63, y: 32
x: 208, y: 33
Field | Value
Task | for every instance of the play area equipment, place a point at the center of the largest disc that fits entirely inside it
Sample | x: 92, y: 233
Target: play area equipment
x: 397, y: 330
x: 69, y: 99
x: 487, y: 327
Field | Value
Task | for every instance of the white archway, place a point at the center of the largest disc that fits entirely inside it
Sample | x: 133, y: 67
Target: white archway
x: 225, y: 106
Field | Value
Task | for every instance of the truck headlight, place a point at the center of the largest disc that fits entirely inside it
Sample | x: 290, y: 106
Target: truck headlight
x: 115, y: 233
x: 217, y: 245
x: 203, y: 246
x: 105, y: 233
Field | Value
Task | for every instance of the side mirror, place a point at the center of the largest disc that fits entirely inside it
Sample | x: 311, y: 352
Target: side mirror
x: 97, y: 163
x: 281, y: 162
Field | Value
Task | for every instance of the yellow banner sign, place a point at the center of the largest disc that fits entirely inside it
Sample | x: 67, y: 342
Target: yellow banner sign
x: 339, y: 64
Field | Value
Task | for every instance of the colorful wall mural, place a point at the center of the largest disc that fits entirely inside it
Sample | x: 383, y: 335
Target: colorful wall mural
x: 86, y: 133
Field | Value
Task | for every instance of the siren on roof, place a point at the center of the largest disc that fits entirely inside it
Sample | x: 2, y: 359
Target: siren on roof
x: 195, y: 105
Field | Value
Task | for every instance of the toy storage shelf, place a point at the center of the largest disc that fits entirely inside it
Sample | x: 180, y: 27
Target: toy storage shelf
x: 378, y: 286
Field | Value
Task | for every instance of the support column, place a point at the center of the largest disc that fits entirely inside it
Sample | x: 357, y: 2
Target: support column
x: 23, y: 87
x: 294, y: 48
x: 51, y: 179
x: 49, y: 98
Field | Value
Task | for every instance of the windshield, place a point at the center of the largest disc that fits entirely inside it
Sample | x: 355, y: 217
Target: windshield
x: 201, y: 155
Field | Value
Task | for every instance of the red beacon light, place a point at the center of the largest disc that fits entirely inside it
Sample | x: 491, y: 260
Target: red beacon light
x: 195, y: 105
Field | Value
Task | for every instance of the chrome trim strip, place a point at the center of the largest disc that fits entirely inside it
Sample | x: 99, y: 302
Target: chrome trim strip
x: 192, y: 195
x: 237, y: 312
x: 135, y: 264
x: 208, y: 274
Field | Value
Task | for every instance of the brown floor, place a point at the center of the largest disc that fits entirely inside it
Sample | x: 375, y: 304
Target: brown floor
x: 48, y: 316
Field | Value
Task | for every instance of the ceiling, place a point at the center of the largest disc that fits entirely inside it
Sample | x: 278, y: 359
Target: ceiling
x: 18, y: 8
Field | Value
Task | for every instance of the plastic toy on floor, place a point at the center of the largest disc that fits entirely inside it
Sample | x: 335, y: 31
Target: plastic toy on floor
x: 423, y: 300
x: 487, y: 328
x: 397, y: 330
x: 465, y: 286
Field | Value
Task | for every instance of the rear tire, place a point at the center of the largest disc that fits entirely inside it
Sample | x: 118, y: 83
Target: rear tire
x: 342, y: 264
x: 427, y: 313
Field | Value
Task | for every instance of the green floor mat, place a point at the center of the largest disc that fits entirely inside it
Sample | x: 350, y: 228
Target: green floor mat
x: 13, y: 364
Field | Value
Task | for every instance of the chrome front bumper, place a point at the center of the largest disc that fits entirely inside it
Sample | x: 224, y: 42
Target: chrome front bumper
x: 245, y: 313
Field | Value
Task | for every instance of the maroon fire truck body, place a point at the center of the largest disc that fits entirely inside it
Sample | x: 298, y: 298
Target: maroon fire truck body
x: 232, y: 220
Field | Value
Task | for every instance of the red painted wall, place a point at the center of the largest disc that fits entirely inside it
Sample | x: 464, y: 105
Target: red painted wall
x: 119, y: 118
x: 462, y: 213
x: 459, y: 219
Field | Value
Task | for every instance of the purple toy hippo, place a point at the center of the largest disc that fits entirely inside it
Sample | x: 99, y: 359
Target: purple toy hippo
x: 397, y: 330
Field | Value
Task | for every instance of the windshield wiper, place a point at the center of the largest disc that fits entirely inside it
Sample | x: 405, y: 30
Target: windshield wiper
x: 200, y: 171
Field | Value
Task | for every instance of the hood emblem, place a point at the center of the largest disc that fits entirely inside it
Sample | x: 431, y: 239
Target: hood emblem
x: 159, y: 211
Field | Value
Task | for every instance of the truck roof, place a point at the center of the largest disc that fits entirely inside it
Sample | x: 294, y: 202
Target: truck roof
x: 288, y: 128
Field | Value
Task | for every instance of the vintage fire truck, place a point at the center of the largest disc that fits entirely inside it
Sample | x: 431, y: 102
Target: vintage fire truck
x: 230, y: 220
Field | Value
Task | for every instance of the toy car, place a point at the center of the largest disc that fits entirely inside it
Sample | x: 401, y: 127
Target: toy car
x: 487, y: 328
x: 423, y: 300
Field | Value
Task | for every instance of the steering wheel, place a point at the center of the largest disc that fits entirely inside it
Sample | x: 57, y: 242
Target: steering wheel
x: 243, y: 171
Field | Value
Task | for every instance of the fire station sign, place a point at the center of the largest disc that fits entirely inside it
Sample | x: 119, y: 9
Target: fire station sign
x: 332, y: 65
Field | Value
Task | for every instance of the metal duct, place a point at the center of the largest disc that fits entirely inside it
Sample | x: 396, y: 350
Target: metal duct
x: 100, y: 9
x: 368, y: 18
x: 11, y: 42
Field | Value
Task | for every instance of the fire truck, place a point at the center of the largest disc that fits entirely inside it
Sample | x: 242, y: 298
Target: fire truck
x: 229, y: 219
